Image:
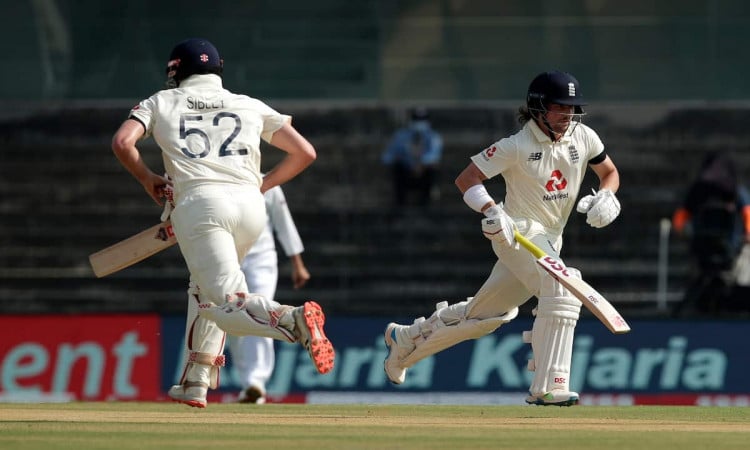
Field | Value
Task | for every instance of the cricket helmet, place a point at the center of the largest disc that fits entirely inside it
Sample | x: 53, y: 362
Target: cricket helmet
x: 190, y: 57
x: 557, y: 87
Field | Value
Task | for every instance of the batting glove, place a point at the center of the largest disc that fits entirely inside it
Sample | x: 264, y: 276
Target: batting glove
x: 601, y: 209
x: 168, y: 202
x: 498, y: 226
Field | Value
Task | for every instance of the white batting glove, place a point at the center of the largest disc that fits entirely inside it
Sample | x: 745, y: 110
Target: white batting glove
x: 600, y: 209
x: 168, y: 202
x: 584, y: 204
x: 498, y: 226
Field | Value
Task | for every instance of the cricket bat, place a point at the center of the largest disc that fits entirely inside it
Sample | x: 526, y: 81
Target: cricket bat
x: 133, y: 249
x: 594, y: 301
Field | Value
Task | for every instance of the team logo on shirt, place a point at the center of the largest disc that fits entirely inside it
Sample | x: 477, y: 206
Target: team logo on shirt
x: 573, y: 154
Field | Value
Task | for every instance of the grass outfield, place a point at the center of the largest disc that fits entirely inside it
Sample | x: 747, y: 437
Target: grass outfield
x: 126, y: 425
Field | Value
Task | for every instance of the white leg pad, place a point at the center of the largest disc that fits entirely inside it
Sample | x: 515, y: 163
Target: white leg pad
x: 447, y: 327
x: 552, y: 343
x: 205, y: 345
x: 239, y: 316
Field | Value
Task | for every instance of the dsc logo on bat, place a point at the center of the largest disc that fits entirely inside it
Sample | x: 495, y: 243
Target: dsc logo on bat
x: 556, y: 265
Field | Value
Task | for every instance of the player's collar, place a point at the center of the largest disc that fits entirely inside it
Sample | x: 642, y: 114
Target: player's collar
x: 541, y: 136
x: 208, y: 79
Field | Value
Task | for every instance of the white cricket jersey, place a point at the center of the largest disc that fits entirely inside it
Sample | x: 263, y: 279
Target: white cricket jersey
x: 279, y: 220
x: 542, y: 178
x: 208, y: 135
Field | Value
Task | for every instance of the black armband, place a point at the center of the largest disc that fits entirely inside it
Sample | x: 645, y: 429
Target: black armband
x: 132, y: 117
x: 598, y: 158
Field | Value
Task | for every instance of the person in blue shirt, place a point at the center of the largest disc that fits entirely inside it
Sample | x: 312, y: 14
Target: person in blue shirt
x: 414, y: 155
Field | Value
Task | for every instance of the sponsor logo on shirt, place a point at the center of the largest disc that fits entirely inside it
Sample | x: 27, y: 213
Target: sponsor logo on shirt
x: 536, y: 156
x: 488, y: 152
x: 557, y: 181
x: 555, y: 185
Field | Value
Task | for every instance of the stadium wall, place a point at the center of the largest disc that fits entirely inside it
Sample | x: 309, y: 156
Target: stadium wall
x: 136, y: 358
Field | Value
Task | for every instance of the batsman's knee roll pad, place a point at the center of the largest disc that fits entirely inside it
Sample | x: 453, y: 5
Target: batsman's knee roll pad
x: 562, y: 307
x: 437, y: 336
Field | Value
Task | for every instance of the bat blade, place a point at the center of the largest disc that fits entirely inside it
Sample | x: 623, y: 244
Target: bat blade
x: 593, y: 300
x: 134, y: 249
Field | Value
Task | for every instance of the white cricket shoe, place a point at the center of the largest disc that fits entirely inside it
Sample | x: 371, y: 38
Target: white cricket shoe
x: 191, y: 394
x: 554, y: 398
x: 392, y: 364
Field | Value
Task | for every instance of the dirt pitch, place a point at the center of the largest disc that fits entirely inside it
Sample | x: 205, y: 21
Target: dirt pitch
x: 165, y: 425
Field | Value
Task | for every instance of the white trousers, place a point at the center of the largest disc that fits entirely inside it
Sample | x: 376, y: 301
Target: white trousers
x: 516, y: 276
x: 215, y: 227
x: 253, y: 356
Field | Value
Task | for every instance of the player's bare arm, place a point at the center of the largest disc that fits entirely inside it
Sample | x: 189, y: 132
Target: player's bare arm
x: 300, y: 154
x: 609, y: 177
x: 472, y: 176
x: 123, y: 145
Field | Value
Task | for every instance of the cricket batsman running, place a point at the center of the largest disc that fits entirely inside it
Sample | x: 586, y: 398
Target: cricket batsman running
x: 210, y: 142
x: 543, y: 166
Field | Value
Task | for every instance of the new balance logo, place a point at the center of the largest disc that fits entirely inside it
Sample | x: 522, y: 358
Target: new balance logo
x: 535, y: 156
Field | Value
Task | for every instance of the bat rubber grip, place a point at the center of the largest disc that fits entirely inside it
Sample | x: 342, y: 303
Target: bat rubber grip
x: 528, y: 245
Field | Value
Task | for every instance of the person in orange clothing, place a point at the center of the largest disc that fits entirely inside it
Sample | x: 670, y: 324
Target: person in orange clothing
x: 715, y: 217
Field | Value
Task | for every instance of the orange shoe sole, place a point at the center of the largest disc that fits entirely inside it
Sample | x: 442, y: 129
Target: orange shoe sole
x: 321, y: 349
x: 193, y: 403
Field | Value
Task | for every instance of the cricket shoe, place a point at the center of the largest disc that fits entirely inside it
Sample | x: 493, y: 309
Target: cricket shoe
x: 392, y: 364
x: 309, y: 320
x: 252, y: 394
x: 554, y: 398
x: 191, y: 394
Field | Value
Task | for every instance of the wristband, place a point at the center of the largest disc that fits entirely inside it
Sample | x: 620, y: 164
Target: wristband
x: 476, y: 197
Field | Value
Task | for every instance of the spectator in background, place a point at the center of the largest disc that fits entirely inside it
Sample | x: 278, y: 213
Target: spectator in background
x: 253, y: 356
x: 715, y: 217
x: 414, y: 155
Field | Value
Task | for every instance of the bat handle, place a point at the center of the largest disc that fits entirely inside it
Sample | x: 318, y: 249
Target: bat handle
x: 528, y: 245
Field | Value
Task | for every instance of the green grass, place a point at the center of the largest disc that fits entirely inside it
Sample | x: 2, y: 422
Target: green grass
x: 140, y: 426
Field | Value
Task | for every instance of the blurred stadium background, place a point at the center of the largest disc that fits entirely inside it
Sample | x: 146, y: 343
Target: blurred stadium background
x: 666, y: 82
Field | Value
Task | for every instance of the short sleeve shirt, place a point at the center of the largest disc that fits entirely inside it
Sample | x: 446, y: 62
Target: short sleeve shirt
x: 542, y: 177
x: 207, y: 134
